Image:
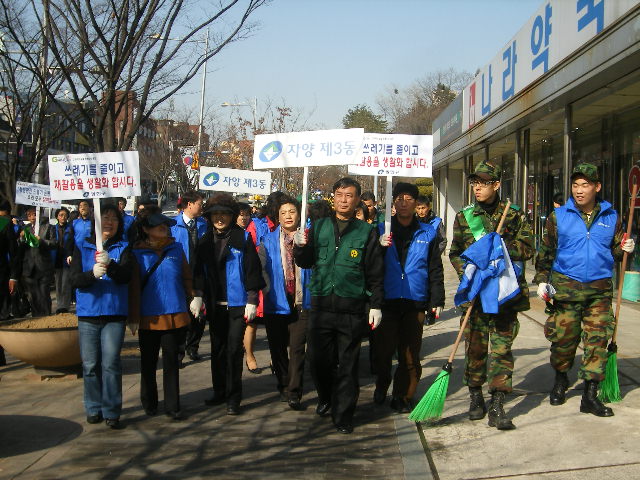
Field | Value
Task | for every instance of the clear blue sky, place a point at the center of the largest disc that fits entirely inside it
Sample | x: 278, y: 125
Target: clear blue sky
x: 326, y: 56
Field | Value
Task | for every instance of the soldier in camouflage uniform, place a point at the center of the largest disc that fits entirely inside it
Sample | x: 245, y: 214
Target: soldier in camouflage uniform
x: 499, y: 329
x: 582, y: 238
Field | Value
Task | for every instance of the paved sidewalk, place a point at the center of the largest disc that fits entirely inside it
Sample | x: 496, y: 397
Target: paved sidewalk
x: 43, y: 433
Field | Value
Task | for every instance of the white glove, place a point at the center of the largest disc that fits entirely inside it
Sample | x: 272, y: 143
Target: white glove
x: 628, y: 245
x: 195, y: 306
x: 103, y: 257
x: 69, y: 260
x: 300, y: 237
x: 99, y: 270
x: 545, y: 291
x: 375, y: 317
x: 385, y: 239
x: 250, y: 312
x: 436, y: 311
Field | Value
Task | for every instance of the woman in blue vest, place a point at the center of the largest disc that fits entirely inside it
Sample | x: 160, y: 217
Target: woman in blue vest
x: 228, y: 271
x: 60, y: 235
x: 159, y: 287
x: 286, y: 303
x: 102, y: 306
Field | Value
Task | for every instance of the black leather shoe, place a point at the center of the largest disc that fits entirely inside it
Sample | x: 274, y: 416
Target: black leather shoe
x: 113, y: 423
x: 255, y: 371
x: 193, y: 355
x: 294, y: 404
x: 590, y: 402
x: 174, y: 415
x: 323, y: 408
x: 215, y: 400
x: 345, y: 428
x: 379, y: 397
x: 93, y: 419
x: 558, y: 392
x: 400, y: 405
x: 233, y: 410
x: 151, y: 411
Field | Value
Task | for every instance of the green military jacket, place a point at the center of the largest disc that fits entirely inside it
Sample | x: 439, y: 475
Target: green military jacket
x: 517, y: 236
x: 339, y: 267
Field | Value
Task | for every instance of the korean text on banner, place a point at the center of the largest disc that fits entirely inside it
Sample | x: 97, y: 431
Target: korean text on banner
x: 94, y: 175
x: 308, y: 149
x: 395, y: 155
x: 233, y: 180
x: 35, y: 194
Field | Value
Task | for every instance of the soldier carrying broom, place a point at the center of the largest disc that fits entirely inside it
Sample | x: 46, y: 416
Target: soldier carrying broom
x: 582, y: 238
x: 499, y: 329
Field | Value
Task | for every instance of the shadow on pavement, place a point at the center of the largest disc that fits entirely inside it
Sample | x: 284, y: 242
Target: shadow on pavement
x: 21, y: 434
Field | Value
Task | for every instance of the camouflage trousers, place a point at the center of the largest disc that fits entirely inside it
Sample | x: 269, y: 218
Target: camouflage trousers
x: 499, y: 331
x: 590, y: 317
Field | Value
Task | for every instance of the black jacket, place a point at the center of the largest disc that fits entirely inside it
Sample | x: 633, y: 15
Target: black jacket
x: 10, y: 259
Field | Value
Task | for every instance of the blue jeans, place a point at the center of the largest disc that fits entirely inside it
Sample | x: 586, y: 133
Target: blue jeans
x: 100, y: 345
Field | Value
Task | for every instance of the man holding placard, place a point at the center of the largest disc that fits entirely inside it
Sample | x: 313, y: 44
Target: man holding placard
x: 347, y: 264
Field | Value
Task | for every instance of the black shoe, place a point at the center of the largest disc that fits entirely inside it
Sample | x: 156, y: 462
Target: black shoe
x: 477, y: 408
x: 590, y: 402
x: 558, y: 392
x: 323, y: 408
x: 284, y: 397
x: 62, y: 310
x: 379, y: 397
x: 177, y: 415
x: 255, y: 371
x: 93, y: 419
x: 193, y: 355
x: 215, y: 400
x: 151, y: 411
x: 113, y: 423
x: 233, y: 410
x: 400, y: 405
x: 294, y: 404
x: 345, y: 428
x: 497, y: 417
x: 181, y: 364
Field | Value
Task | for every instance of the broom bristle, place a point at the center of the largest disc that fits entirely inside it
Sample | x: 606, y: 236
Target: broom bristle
x: 610, y: 387
x: 432, y: 403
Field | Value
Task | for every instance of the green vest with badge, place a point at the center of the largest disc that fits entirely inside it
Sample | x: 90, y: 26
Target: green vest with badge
x: 339, y: 268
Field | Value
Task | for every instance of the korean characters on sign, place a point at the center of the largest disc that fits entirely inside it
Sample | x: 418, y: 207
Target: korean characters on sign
x: 35, y: 194
x: 308, y: 149
x: 94, y: 175
x: 395, y: 155
x: 234, y: 180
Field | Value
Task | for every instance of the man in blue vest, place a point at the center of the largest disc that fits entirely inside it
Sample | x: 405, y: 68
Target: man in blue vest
x: 501, y: 329
x: 81, y: 227
x: 127, y: 220
x: 581, y: 241
x: 348, y: 271
x: 413, y: 284
x: 190, y: 227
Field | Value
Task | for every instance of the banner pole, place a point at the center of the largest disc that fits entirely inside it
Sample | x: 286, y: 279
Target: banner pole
x: 375, y: 187
x: 97, y: 218
x: 36, y: 227
x: 388, y: 204
x: 305, y: 187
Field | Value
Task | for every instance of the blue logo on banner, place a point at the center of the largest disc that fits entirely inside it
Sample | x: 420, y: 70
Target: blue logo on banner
x: 270, y: 151
x: 211, y: 179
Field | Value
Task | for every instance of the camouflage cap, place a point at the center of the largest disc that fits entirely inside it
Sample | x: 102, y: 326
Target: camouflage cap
x: 586, y: 170
x: 486, y: 171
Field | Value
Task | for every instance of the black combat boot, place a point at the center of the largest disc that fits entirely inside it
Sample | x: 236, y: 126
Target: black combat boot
x: 590, y: 402
x: 477, y: 409
x: 558, y: 392
x: 497, y: 417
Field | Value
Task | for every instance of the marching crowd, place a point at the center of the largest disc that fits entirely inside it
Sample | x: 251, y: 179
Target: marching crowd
x: 318, y: 286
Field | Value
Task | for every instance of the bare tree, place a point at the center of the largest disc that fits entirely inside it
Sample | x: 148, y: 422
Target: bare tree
x: 120, y: 60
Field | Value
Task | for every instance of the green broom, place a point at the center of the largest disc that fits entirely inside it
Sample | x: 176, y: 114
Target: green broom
x: 610, y: 388
x: 432, y: 403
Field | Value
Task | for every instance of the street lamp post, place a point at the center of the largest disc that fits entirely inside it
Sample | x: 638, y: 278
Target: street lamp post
x: 254, y: 109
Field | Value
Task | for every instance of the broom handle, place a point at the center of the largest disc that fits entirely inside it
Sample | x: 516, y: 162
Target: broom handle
x: 623, y: 267
x: 463, y: 325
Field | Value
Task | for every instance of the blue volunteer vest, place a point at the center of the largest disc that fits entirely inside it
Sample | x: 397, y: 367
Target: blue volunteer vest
x: 585, y: 254
x: 180, y: 232
x: 275, y: 301
x: 412, y: 281
x: 435, y: 222
x: 81, y: 229
x: 104, y: 296
x: 66, y: 233
x: 164, y: 292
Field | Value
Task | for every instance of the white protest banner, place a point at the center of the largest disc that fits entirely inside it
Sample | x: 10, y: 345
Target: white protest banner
x: 35, y: 194
x: 234, y: 180
x: 308, y: 149
x: 94, y: 175
x: 395, y: 154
